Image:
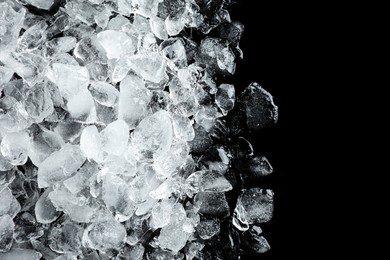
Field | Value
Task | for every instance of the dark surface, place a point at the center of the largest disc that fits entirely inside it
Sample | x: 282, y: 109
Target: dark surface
x: 268, y: 44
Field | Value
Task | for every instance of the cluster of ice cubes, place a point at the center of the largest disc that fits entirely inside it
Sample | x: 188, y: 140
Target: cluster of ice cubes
x: 120, y: 138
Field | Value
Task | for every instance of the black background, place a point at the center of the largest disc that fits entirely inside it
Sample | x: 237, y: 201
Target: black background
x: 270, y: 44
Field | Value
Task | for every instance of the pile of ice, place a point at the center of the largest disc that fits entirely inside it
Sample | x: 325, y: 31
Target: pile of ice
x: 116, y: 142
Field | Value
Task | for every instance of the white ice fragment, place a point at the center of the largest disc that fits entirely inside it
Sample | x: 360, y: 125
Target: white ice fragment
x: 182, y: 127
x: 153, y: 136
x: 41, y: 4
x: 5, y: 201
x: 104, y: 235
x: 175, y: 23
x: 6, y: 233
x: 5, y: 75
x: 82, y: 107
x: 38, y: 102
x: 90, y: 143
x: 157, y: 26
x: 225, y: 97
x: 70, y: 79
x: 60, y: 165
x: 151, y: 66
x: 146, y: 8
x: 161, y: 214
x: 133, y: 100
x: 168, y: 163
x: 45, y: 212
x: 61, y: 44
x: 33, y: 38
x: 115, y: 43
x: 104, y: 93
x: 11, y: 22
x: 14, y: 147
x: 115, y: 137
x: 21, y: 254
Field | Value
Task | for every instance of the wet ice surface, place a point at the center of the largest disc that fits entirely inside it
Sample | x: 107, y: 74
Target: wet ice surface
x: 120, y: 137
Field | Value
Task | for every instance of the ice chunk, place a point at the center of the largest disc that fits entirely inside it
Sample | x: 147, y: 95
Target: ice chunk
x: 161, y: 214
x: 42, y: 4
x: 69, y: 130
x: 11, y: 22
x: 5, y: 201
x: 174, y: 50
x: 26, y: 228
x: 175, y: 22
x: 151, y: 66
x: 259, y: 107
x: 208, y: 228
x: 115, y: 137
x: 33, y: 38
x: 254, y: 206
x: 157, y: 26
x: 182, y: 127
x: 60, y: 165
x: 21, y: 254
x: 173, y: 237
x: 115, y: 43
x: 90, y: 143
x: 66, y: 237
x: 5, y: 75
x: 6, y: 233
x: 212, y: 203
x: 224, y: 97
x: 82, y: 107
x: 43, y: 143
x: 104, y: 235
x: 133, y: 100
x: 255, y: 168
x: 70, y: 79
x: 82, y: 179
x: 87, y: 50
x: 153, y: 136
x: 133, y: 253
x: 104, y: 93
x: 14, y: 147
x: 207, y: 181
x: 38, y: 102
x: 201, y: 141
x: 255, y: 241
x: 206, y: 117
x: 218, y: 55
x: 61, y: 45
x: 44, y: 210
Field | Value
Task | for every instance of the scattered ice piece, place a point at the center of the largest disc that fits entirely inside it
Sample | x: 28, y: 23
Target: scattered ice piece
x: 6, y: 233
x: 173, y: 238
x: 82, y: 179
x: 5, y: 75
x: 14, y: 147
x: 91, y: 144
x: 33, y: 38
x: 208, y: 228
x: 87, y: 50
x: 61, y: 45
x: 114, y: 137
x: 26, y: 228
x: 21, y: 254
x: 254, y: 206
x: 60, y: 165
x: 104, y: 93
x: 225, y: 97
x: 5, y: 201
x: 70, y: 79
x: 38, y: 102
x: 11, y: 22
x: 255, y: 241
x: 158, y: 27
x: 133, y: 100
x: 104, y: 235
x: 44, y: 210
x: 41, y: 4
x: 207, y: 181
x: 66, y: 237
x: 115, y: 43
x: 153, y: 136
x: 150, y: 66
x: 161, y: 214
x: 182, y: 127
x: 82, y: 107
x: 212, y: 203
x: 256, y: 168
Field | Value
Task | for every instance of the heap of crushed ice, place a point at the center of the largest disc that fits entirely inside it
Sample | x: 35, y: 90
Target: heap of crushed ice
x: 120, y: 138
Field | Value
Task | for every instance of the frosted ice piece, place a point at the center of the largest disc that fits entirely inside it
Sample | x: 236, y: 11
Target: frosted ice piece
x: 212, y: 203
x: 163, y: 191
x: 206, y: 117
x: 21, y: 254
x: 26, y: 228
x: 254, y: 206
x: 10, y: 24
x: 70, y: 79
x: 68, y: 130
x: 193, y: 249
x: 173, y: 237
x: 5, y: 201
x: 145, y: 206
x: 201, y: 141
x: 6, y: 233
x: 38, y: 102
x: 225, y: 97
x: 14, y: 208
x: 207, y: 181
x: 116, y: 196
x: 61, y: 45
x: 175, y: 22
x: 157, y: 26
x: 174, y: 50
x: 60, y: 165
x: 82, y: 107
x: 90, y: 143
x: 115, y: 43
x: 147, y: 8
x: 168, y: 164
x: 116, y: 23
x: 14, y: 147
x: 104, y: 93
x: 161, y: 214
x: 14, y: 117
x: 208, y: 228
x: 151, y: 66
x: 114, y: 137
x: 5, y: 75
x: 81, y: 180
x: 41, y: 4
x: 133, y: 100
x: 104, y: 235
x: 255, y: 168
x: 218, y: 54
x: 74, y: 206
x: 120, y: 70
x: 45, y: 212
x: 87, y: 50
x: 4, y: 164
x: 239, y: 218
x: 66, y: 238
x: 42, y: 144
x: 259, y: 107
x: 33, y: 38
x: 153, y: 136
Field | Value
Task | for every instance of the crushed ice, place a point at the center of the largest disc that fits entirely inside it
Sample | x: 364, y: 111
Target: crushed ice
x: 120, y: 138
